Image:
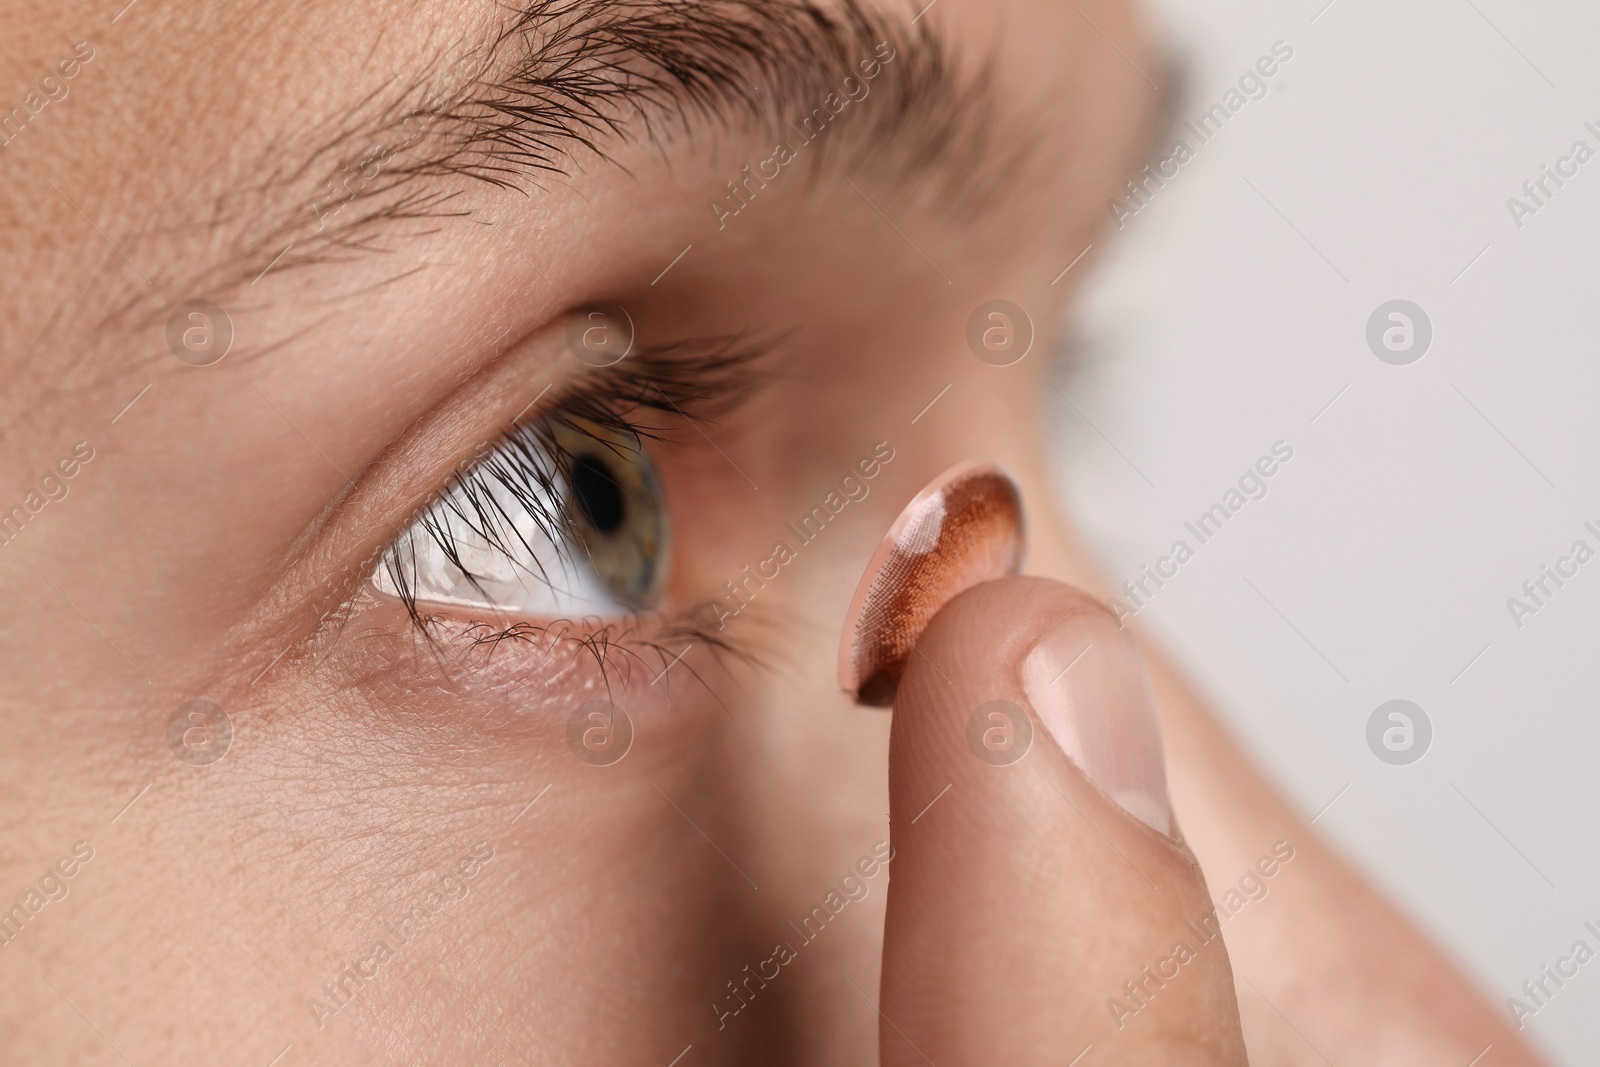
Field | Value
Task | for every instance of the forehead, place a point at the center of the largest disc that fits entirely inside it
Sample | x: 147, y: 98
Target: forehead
x: 205, y: 118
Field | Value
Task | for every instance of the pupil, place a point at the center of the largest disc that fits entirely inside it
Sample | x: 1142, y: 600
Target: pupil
x: 597, y: 494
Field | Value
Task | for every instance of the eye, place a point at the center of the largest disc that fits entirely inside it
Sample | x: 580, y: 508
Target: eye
x: 563, y: 519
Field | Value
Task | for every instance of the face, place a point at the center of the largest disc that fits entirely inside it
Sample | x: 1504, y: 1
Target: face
x: 441, y: 445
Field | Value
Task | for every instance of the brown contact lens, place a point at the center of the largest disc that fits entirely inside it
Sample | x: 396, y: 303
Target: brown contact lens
x: 964, y: 528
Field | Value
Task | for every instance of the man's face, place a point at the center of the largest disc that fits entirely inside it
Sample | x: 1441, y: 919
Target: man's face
x: 677, y: 304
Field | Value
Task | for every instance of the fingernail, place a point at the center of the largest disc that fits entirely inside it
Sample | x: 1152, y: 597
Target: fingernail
x: 1087, y: 683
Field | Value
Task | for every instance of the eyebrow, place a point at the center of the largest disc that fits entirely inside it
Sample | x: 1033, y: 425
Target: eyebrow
x: 566, y: 81
x: 595, y: 68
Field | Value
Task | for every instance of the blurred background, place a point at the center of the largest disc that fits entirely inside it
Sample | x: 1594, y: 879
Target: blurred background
x: 1431, y: 476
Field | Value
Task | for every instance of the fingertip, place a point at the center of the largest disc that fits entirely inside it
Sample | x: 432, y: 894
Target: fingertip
x: 1017, y: 661
x: 1030, y: 820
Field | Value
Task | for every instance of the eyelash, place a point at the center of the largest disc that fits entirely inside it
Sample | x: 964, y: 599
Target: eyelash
x: 696, y: 379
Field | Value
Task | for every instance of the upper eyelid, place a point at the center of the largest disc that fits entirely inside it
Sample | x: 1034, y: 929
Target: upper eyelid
x: 699, y: 376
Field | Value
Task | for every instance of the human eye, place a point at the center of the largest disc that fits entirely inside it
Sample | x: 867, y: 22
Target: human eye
x: 563, y: 518
x: 566, y: 516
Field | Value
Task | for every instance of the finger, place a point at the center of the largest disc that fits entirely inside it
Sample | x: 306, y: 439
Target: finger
x: 1041, y: 905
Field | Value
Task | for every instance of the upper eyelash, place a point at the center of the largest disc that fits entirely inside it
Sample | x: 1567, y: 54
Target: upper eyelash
x: 706, y: 375
x: 702, y: 376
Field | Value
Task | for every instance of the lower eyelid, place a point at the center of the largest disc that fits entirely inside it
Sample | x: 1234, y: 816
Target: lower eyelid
x: 477, y: 699
x: 649, y: 656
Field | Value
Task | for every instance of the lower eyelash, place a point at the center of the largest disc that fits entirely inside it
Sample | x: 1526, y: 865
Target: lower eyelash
x: 617, y: 648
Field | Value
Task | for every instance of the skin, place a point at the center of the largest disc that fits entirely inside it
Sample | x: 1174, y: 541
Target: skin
x: 213, y: 545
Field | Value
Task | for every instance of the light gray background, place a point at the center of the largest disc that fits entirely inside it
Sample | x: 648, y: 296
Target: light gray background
x: 1417, y: 502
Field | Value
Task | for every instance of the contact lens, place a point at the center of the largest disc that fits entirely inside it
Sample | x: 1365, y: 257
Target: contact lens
x: 964, y: 528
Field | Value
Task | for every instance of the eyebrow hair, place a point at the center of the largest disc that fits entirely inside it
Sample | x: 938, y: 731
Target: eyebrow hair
x: 565, y: 81
x: 594, y: 66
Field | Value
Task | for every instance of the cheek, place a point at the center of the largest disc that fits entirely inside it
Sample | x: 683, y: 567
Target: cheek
x: 602, y: 851
x: 259, y: 885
